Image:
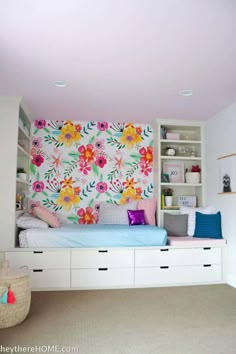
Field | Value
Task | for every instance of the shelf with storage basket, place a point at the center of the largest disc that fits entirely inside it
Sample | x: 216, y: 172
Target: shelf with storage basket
x: 181, y: 169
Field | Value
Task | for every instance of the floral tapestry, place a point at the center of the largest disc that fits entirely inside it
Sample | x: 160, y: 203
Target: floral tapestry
x: 76, y: 165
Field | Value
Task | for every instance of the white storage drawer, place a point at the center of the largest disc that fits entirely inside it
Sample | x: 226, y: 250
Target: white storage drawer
x: 106, y: 277
x: 155, y: 276
x: 102, y: 258
x: 39, y: 259
x: 50, y: 278
x: 177, y: 256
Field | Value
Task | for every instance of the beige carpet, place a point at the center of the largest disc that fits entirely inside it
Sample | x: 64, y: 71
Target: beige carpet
x: 178, y: 320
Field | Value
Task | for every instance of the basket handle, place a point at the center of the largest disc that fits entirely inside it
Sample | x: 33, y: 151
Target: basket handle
x: 25, y: 267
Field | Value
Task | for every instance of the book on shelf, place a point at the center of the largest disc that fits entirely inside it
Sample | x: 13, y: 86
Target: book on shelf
x: 173, y: 207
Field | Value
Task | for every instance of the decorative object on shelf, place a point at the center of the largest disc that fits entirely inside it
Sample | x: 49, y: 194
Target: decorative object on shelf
x: 170, y: 151
x: 183, y: 151
x: 165, y: 178
x: 227, y: 178
x: 21, y: 173
x: 175, y: 170
x: 19, y: 201
x: 24, y: 126
x: 193, y: 176
x: 187, y: 200
x: 163, y: 133
x: 172, y: 136
x: 168, y: 194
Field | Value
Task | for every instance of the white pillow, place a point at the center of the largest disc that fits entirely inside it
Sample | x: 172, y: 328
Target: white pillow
x: 192, y: 216
x: 115, y: 214
x: 27, y: 221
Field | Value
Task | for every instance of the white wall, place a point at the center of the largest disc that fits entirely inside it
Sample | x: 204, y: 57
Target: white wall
x: 220, y: 141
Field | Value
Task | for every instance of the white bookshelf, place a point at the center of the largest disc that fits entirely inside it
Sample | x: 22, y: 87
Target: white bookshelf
x: 14, y: 153
x: 189, y: 151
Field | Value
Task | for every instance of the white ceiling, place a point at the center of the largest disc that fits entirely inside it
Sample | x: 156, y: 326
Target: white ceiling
x: 124, y: 60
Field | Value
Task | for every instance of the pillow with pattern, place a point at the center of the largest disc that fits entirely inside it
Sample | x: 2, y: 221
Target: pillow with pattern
x: 115, y: 214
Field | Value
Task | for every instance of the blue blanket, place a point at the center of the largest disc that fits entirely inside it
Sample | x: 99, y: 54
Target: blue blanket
x: 87, y: 236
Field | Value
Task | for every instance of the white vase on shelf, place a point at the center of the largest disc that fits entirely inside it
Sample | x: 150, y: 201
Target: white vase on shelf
x: 168, y: 200
x: 22, y: 175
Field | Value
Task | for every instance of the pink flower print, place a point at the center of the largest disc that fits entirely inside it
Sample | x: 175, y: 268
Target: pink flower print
x: 33, y: 152
x: 102, y: 126
x: 145, y: 168
x: 97, y: 207
x: 101, y: 187
x: 40, y: 124
x: 37, y: 160
x: 84, y: 167
x: 100, y: 161
x: 38, y: 186
x: 37, y: 142
x: 99, y: 144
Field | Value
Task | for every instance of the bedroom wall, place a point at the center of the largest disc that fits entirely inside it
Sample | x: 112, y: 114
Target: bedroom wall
x: 76, y: 165
x: 220, y: 141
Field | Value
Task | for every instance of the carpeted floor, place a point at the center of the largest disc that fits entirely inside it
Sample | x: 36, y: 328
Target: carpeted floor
x: 177, y: 320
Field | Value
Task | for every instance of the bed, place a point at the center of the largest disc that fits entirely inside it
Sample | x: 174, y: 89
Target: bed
x: 87, y: 236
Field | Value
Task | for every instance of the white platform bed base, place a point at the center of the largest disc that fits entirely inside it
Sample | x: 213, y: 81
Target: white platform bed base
x: 109, y: 268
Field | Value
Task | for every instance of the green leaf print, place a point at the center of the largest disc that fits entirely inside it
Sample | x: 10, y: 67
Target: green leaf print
x: 95, y: 169
x: 32, y: 169
x: 74, y: 219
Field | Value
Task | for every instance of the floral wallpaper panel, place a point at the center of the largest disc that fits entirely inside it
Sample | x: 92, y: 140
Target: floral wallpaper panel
x: 76, y: 165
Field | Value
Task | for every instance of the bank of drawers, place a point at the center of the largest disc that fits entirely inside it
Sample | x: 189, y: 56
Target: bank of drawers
x: 102, y: 268
x: 177, y: 266
x: 118, y: 267
x: 48, y: 269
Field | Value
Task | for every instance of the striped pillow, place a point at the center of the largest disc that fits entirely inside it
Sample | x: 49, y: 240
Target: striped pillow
x: 208, y: 225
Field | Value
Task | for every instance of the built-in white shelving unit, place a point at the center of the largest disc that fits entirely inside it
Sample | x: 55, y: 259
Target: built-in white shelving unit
x: 187, y: 149
x: 14, y: 153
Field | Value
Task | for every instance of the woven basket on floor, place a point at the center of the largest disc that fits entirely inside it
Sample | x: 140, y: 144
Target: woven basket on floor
x: 19, y: 282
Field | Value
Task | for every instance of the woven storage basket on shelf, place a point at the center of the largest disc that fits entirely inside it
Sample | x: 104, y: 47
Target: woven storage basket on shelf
x: 19, y: 282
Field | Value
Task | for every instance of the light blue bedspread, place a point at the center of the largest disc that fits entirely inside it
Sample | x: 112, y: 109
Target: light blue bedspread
x: 85, y: 236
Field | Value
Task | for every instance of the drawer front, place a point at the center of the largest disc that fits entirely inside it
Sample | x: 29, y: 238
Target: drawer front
x: 148, y: 276
x: 177, y: 256
x: 50, y: 278
x: 102, y: 258
x: 40, y: 259
x: 108, y: 278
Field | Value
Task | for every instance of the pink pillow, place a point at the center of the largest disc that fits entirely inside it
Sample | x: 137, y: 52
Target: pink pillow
x: 47, y: 216
x: 149, y: 207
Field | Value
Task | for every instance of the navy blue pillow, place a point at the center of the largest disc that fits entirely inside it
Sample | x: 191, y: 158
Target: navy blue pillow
x: 208, y: 225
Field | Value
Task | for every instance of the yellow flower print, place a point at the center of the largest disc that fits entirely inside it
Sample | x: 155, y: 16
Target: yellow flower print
x: 130, y: 137
x: 69, y: 135
x: 129, y: 194
x: 67, y: 198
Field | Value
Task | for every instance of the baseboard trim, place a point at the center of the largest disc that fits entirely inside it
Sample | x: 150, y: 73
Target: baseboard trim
x: 231, y: 280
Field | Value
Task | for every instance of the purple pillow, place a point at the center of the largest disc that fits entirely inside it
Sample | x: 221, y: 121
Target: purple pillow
x: 136, y: 217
